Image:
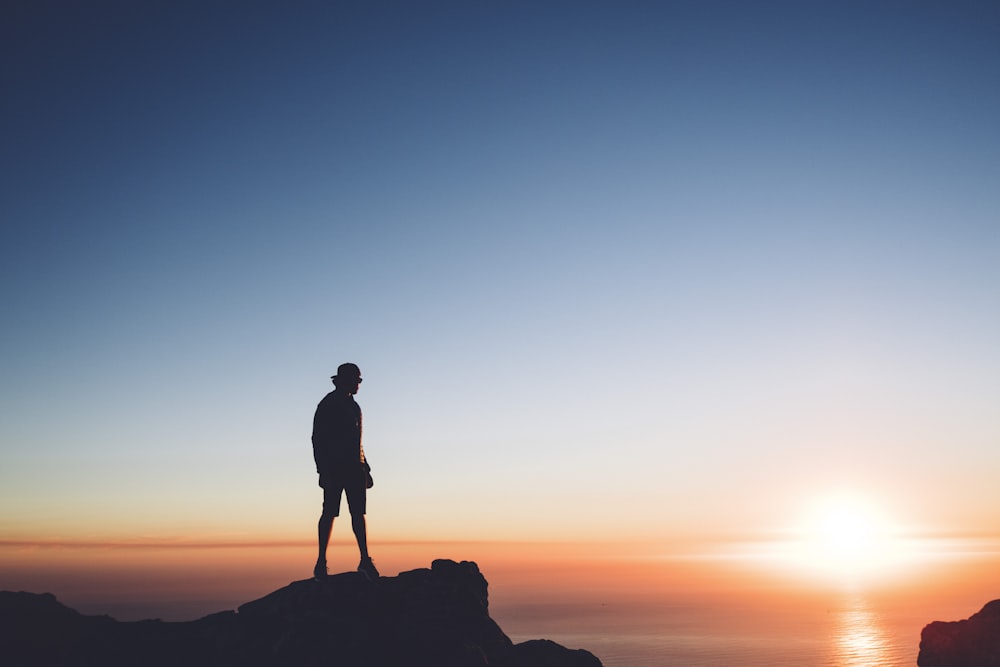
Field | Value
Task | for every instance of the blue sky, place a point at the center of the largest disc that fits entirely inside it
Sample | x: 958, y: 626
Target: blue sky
x: 608, y: 268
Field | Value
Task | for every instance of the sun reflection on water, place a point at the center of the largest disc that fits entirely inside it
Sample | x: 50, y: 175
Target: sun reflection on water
x: 859, y: 638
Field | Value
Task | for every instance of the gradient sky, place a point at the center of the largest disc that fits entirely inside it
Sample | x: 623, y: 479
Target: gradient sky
x: 610, y: 269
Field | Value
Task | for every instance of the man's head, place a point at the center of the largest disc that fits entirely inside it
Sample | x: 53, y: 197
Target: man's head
x: 348, y: 378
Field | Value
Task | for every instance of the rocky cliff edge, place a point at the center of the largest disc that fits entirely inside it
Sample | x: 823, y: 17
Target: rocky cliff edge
x: 435, y: 617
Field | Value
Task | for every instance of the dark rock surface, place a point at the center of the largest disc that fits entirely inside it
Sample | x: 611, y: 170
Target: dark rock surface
x: 974, y: 642
x: 436, y: 617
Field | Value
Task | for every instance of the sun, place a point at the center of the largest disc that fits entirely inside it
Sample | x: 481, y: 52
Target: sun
x: 848, y: 528
x: 845, y: 534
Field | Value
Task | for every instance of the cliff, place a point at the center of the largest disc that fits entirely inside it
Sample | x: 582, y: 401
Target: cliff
x: 436, y: 617
x: 974, y: 642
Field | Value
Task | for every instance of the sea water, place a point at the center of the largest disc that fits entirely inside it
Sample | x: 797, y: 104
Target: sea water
x: 852, y: 634
x: 725, y: 614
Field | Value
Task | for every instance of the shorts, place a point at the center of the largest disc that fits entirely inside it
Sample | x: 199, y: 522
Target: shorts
x: 335, y: 486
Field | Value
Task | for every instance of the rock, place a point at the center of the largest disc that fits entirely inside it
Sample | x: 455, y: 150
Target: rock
x: 436, y: 617
x: 974, y: 642
x: 545, y: 653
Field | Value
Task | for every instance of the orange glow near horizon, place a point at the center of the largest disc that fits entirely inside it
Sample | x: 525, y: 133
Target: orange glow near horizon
x: 586, y: 595
x: 205, y: 573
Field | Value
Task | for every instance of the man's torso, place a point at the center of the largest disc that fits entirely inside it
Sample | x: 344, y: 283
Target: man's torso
x: 337, y: 432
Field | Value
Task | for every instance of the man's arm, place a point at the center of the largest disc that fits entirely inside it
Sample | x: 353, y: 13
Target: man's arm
x: 319, y: 457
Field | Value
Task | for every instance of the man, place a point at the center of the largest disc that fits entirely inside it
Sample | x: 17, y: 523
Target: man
x: 340, y: 462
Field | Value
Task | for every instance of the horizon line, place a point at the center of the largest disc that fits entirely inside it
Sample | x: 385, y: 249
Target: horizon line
x: 181, y: 543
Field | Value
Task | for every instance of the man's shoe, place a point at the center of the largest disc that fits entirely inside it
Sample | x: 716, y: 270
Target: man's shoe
x: 319, y: 572
x: 367, y: 568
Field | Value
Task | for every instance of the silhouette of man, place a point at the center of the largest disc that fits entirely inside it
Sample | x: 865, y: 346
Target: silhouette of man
x: 340, y: 462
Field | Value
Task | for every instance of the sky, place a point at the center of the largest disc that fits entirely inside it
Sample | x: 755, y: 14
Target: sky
x: 612, y: 271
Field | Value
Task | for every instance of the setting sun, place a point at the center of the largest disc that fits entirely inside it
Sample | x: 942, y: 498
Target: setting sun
x: 849, y: 528
x: 846, y: 534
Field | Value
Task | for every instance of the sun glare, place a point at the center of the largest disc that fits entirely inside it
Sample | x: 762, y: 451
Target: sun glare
x: 846, y: 535
x: 848, y: 529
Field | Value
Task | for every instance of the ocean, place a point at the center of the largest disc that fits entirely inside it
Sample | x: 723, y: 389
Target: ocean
x: 852, y: 632
x: 630, y: 612
x: 716, y: 613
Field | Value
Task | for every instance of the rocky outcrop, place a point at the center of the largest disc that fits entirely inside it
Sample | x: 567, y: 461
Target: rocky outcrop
x: 435, y: 617
x: 974, y: 642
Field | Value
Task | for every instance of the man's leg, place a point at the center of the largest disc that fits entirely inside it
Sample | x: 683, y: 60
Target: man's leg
x: 325, y: 529
x: 331, y: 508
x: 360, y: 533
x: 367, y: 565
x: 357, y: 503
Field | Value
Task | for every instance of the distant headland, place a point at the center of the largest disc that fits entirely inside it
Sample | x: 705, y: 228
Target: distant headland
x: 973, y: 642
